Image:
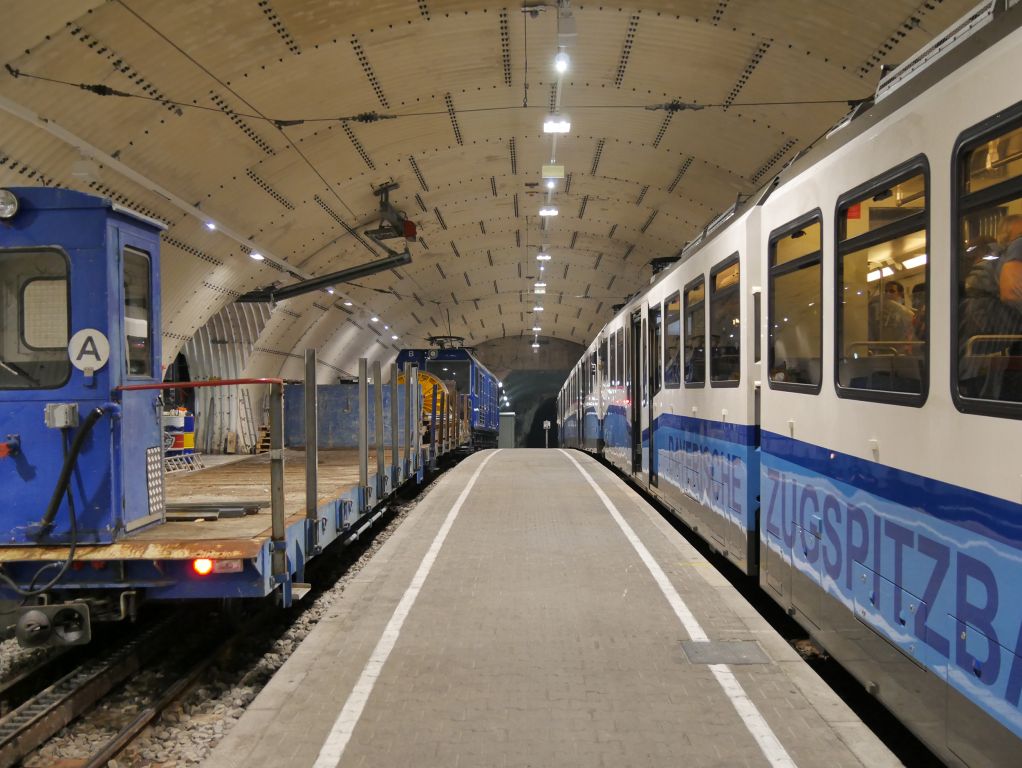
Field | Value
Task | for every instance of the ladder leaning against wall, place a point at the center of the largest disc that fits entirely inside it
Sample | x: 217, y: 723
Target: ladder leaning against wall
x: 246, y: 423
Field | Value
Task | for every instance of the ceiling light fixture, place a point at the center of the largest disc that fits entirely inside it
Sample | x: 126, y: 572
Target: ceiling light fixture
x: 393, y: 336
x: 330, y: 290
x: 561, y: 62
x: 541, y: 285
x: 211, y: 226
x: 348, y: 304
x: 256, y: 255
x: 536, y: 329
x: 550, y: 183
x: 548, y: 210
x: 543, y: 256
x: 537, y: 308
x: 556, y: 124
x: 374, y: 319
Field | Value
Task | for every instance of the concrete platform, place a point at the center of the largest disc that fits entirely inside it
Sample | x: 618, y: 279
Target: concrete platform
x: 534, y: 611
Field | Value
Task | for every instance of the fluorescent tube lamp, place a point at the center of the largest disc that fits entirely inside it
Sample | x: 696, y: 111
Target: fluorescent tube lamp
x: 543, y: 256
x: 876, y: 274
x: 348, y: 304
x: 536, y: 329
x: 540, y: 291
x: 210, y: 226
x: 256, y: 255
x: 537, y: 309
x: 394, y: 336
x: 374, y: 319
x: 548, y: 210
x: 915, y: 261
x: 561, y: 62
x: 541, y: 285
x: 556, y: 124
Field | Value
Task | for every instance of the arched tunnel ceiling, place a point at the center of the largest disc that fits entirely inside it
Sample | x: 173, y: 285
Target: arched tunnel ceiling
x: 465, y: 86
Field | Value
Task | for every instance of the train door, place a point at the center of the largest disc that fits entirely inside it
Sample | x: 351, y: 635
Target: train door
x: 653, y: 369
x: 140, y: 447
x: 579, y: 400
x: 634, y: 388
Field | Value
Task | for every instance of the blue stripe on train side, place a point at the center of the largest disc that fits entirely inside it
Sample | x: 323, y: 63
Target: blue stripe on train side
x: 616, y: 427
x: 716, y: 463
x: 930, y: 566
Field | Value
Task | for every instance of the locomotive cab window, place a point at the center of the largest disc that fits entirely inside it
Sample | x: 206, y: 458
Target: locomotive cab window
x: 34, y: 315
x: 672, y: 341
x: 725, y: 319
x: 695, y: 333
x: 137, y: 313
x: 882, y: 270
x: 794, y: 344
x: 987, y: 271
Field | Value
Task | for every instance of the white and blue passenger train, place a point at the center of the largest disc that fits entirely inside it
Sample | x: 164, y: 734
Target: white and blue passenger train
x: 827, y: 387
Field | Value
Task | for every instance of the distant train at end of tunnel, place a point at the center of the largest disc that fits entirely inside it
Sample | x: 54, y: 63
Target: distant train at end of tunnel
x: 827, y: 388
x: 469, y: 383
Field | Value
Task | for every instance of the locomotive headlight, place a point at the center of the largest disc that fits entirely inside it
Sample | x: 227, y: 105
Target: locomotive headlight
x: 8, y: 204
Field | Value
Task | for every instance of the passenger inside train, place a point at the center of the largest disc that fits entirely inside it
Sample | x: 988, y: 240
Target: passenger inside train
x: 990, y: 272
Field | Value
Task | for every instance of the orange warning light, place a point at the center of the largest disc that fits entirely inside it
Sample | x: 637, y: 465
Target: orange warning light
x: 202, y: 566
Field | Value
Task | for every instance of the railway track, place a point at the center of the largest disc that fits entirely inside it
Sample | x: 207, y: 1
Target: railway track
x: 171, y: 663
x: 41, y: 716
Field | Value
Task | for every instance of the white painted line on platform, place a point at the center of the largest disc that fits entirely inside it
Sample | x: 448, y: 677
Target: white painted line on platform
x: 767, y: 740
x: 340, y: 734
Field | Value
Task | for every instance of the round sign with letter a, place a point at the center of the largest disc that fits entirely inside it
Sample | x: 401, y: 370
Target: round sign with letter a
x: 88, y: 350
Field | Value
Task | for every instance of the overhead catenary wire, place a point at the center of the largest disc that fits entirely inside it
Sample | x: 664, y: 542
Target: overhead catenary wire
x: 102, y: 90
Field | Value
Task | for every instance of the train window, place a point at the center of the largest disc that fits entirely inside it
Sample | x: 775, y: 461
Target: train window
x: 695, y: 333
x: 608, y: 371
x: 458, y: 371
x: 794, y: 344
x: 604, y: 368
x: 987, y: 270
x: 672, y: 341
x: 34, y: 314
x: 725, y: 318
x: 137, y: 313
x: 655, y: 340
x: 882, y: 288
x: 619, y: 342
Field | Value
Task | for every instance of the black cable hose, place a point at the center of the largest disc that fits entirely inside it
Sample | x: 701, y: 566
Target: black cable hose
x: 32, y: 591
x: 69, y: 461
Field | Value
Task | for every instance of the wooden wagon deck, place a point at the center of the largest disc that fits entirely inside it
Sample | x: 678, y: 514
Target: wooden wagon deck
x: 240, y: 537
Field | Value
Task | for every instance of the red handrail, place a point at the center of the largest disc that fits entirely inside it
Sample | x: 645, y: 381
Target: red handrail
x: 196, y: 384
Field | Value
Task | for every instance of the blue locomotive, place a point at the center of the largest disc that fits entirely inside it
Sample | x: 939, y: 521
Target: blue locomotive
x: 464, y: 374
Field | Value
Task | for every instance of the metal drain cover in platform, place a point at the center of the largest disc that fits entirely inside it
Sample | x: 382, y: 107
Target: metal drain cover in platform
x: 725, y: 652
